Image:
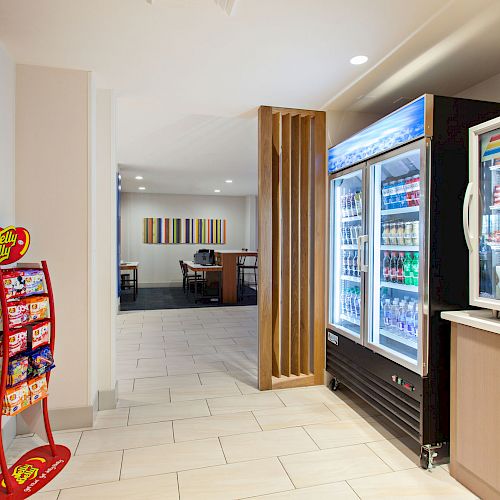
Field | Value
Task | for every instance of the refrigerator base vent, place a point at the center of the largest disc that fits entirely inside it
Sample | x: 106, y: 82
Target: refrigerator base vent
x: 354, y: 372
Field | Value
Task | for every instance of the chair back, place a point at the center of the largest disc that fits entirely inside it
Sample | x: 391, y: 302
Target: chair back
x: 183, y: 267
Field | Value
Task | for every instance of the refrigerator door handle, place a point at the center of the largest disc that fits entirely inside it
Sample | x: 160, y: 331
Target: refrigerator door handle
x: 362, y: 241
x: 465, y: 215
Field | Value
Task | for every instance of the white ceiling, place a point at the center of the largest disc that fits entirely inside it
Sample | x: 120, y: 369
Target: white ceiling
x: 189, y: 78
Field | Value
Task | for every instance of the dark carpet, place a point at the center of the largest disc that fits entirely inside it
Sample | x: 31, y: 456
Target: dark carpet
x: 174, y: 298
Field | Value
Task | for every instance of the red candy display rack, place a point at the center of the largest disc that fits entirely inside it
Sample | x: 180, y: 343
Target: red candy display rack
x: 27, y: 347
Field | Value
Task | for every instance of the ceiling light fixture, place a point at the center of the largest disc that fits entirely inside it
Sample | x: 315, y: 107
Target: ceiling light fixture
x: 139, y: 177
x: 229, y: 181
x: 216, y: 190
x: 358, y: 60
x: 142, y: 188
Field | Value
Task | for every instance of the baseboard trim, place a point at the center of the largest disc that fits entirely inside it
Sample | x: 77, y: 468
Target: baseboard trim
x: 107, y: 399
x: 60, y: 419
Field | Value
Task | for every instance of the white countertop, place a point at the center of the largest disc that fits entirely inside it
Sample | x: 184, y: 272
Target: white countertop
x: 482, y: 319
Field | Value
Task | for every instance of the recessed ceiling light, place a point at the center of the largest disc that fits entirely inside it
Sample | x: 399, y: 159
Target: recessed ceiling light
x: 139, y: 177
x: 141, y: 188
x: 358, y: 60
x: 229, y: 181
x: 216, y: 190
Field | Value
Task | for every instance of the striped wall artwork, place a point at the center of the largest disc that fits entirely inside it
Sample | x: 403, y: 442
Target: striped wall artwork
x: 159, y: 230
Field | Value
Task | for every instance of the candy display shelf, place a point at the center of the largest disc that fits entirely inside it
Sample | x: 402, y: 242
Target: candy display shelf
x: 28, y: 340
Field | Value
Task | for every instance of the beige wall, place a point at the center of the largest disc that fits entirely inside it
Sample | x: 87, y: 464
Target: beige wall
x: 489, y: 90
x: 53, y: 170
x: 340, y: 125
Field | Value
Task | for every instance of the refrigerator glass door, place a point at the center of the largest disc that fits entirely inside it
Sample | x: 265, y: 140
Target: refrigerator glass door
x: 489, y: 215
x: 396, y: 220
x: 346, y: 229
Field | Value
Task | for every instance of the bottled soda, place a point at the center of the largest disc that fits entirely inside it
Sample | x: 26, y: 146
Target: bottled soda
x: 394, y: 267
x: 408, y: 269
x: 414, y: 273
x: 400, y: 268
x: 386, y: 267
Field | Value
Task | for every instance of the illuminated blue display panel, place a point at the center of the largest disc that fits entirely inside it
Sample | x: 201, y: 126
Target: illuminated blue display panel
x: 403, y: 125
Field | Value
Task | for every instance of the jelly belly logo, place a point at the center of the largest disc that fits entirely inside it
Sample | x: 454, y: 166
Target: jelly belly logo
x: 26, y: 471
x: 14, y: 243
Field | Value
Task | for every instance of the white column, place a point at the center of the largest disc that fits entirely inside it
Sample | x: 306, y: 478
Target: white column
x: 106, y: 285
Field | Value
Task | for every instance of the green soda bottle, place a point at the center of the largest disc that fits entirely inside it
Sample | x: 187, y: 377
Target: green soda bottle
x: 408, y: 269
x: 414, y: 273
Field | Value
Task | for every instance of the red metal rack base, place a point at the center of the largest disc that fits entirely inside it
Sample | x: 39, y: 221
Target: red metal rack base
x: 34, y: 470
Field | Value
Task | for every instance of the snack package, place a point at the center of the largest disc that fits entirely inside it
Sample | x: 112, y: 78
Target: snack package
x: 40, y: 361
x: 19, y: 282
x: 16, y: 399
x: 33, y: 280
x: 18, y: 313
x: 40, y: 335
x: 37, y: 388
x: 14, y: 284
x: 38, y: 307
x: 18, y: 342
x: 17, y: 371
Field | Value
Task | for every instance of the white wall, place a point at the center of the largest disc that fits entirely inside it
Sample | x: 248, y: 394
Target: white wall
x: 54, y: 172
x: 7, y: 168
x: 106, y: 296
x: 159, y: 264
x: 7, y: 128
x: 251, y: 222
x: 489, y: 90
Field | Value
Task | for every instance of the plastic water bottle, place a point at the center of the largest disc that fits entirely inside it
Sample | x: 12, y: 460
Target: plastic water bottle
x: 386, y: 312
x: 385, y: 195
x: 415, y: 320
x: 356, y: 304
x: 402, y: 316
x: 410, y: 319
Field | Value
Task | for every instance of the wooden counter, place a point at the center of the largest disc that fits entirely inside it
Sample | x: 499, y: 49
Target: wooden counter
x: 475, y: 401
x: 229, y: 262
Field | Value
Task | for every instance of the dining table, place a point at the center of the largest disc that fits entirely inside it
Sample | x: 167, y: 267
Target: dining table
x: 228, y: 259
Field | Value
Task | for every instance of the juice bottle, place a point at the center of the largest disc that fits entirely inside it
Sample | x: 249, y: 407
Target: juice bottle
x: 414, y: 273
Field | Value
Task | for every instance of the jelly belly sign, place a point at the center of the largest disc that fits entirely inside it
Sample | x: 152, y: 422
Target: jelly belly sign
x: 34, y: 470
x: 14, y: 243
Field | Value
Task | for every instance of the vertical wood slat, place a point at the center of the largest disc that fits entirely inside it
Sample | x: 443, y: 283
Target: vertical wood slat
x: 320, y: 203
x: 286, y: 249
x: 294, y: 268
x: 265, y: 248
x: 305, y: 227
x: 276, y: 239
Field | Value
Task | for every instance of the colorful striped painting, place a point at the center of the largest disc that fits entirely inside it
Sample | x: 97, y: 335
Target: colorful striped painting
x: 159, y: 230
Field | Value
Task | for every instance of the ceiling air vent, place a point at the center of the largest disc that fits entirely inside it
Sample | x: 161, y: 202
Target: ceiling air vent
x: 226, y: 5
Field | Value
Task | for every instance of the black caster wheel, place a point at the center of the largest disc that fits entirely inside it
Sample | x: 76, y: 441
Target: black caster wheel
x: 424, y: 459
x: 334, y: 384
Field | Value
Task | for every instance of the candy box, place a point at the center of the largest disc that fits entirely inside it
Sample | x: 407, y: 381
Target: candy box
x: 40, y: 335
x: 40, y: 361
x: 18, y: 342
x: 17, y: 370
x: 14, y: 284
x: 33, y: 280
x: 38, y: 307
x: 37, y: 388
x: 16, y: 399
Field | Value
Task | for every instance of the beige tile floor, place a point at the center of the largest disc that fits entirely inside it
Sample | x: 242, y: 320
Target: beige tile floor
x: 190, y: 424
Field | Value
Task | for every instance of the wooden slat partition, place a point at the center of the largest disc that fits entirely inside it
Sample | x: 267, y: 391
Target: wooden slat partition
x: 292, y: 229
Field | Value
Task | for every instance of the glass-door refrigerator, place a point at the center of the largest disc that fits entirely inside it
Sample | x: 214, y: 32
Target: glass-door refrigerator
x: 481, y: 215
x: 397, y: 255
